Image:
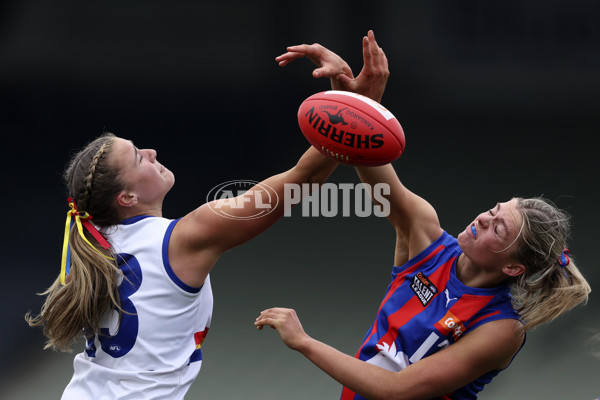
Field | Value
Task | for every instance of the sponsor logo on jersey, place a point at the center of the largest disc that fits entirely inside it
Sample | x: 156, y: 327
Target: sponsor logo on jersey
x: 450, y: 323
x: 423, y: 288
x: 448, y: 298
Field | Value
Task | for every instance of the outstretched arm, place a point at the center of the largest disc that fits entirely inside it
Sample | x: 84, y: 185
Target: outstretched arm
x: 202, y: 236
x: 489, y: 347
x: 370, y: 82
x: 414, y: 219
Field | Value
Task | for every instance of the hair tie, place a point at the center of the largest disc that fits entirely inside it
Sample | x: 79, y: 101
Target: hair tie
x: 564, y: 260
x: 81, y: 219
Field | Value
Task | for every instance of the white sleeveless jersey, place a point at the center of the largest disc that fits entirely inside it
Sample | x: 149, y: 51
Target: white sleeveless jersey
x: 155, y: 351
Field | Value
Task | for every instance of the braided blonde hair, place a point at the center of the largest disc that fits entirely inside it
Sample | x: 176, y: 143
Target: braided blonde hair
x: 91, y: 288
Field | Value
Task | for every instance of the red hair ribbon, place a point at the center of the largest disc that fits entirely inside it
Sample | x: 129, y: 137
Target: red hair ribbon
x: 81, y: 219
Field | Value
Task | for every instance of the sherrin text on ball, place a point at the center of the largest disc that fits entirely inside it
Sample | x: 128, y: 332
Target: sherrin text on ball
x: 351, y: 128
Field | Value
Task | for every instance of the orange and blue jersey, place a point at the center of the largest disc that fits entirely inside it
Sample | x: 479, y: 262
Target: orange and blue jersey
x: 427, y: 308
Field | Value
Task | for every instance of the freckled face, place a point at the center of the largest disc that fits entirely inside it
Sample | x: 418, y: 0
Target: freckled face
x: 141, y: 173
x: 489, y: 241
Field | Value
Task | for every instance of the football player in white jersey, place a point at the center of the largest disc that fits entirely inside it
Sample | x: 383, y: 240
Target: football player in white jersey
x: 137, y: 285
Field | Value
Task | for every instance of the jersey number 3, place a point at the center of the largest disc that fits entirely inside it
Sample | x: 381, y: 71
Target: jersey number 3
x: 122, y: 342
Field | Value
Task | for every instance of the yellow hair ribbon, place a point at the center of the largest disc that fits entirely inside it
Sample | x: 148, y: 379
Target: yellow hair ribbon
x: 81, y: 219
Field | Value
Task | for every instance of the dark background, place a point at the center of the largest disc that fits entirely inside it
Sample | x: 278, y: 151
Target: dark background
x: 497, y: 99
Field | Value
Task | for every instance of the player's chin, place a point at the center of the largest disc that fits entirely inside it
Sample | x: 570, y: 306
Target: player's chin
x: 167, y: 173
x: 170, y: 180
x: 462, y: 238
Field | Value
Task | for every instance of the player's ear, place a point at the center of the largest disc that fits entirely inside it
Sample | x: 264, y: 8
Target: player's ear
x: 126, y: 199
x: 513, y: 269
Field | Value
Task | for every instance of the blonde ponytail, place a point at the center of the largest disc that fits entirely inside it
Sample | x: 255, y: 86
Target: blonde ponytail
x: 542, y: 298
x: 552, y: 284
x: 91, y: 288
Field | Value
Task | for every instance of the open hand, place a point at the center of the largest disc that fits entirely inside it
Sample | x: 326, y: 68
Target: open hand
x: 287, y: 324
x: 370, y: 82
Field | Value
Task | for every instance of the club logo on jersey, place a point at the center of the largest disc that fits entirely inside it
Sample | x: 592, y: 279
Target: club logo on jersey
x: 450, y: 323
x: 423, y: 288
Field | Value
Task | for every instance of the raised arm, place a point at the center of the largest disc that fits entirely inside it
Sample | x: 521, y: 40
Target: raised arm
x: 414, y: 219
x: 202, y: 236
